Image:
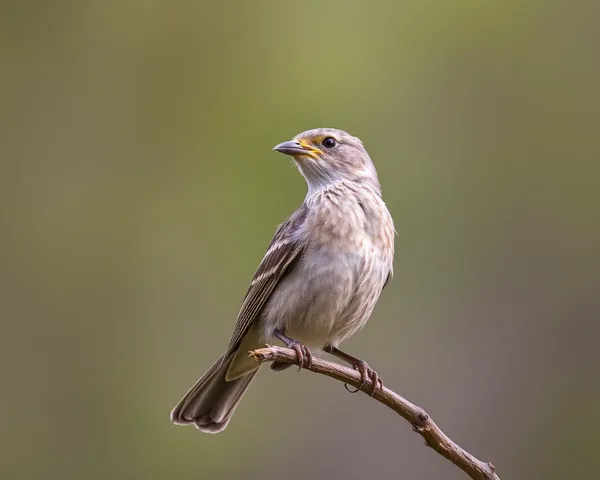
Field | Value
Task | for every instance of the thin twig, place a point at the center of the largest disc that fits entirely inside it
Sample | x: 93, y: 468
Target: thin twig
x: 416, y: 416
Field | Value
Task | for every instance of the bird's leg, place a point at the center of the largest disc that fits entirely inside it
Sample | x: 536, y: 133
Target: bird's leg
x: 304, y: 354
x: 366, y: 372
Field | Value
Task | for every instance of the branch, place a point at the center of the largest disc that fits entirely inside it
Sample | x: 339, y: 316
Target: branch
x: 416, y: 416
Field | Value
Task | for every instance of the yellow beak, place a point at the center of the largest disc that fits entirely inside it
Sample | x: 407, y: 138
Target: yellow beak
x: 297, y: 148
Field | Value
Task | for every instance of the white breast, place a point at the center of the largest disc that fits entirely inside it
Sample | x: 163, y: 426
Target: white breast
x: 333, y: 289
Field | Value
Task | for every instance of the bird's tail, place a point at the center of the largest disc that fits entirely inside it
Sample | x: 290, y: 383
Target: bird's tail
x: 210, y: 403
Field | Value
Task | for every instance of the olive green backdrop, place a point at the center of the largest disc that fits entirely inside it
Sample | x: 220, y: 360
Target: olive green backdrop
x: 138, y: 192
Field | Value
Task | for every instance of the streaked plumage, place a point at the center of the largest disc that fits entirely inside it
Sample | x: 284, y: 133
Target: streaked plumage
x: 319, y: 279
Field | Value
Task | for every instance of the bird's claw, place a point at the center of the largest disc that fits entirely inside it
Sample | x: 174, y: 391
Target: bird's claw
x: 304, y: 355
x: 368, y: 374
x: 348, y: 388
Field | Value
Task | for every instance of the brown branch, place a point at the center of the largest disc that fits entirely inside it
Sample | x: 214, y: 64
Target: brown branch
x: 416, y: 416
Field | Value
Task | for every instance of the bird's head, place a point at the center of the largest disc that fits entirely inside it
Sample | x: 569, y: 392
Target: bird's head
x: 326, y: 155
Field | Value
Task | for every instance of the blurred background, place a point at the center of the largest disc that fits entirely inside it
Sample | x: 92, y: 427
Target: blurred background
x: 138, y: 192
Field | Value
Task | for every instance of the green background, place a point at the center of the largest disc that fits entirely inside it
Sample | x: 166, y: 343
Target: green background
x: 138, y: 192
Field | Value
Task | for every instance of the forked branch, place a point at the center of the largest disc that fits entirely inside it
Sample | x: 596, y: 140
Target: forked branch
x: 416, y: 416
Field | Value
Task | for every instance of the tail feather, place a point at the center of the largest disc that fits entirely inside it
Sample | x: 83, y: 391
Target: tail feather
x: 210, y: 403
x: 278, y: 366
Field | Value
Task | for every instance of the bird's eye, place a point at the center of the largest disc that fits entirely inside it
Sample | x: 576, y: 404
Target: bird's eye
x: 329, y: 142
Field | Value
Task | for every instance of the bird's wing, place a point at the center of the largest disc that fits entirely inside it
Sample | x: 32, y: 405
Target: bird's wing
x: 283, y: 252
x: 387, y: 279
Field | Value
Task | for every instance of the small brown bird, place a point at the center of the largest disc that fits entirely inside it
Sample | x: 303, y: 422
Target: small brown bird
x: 319, y: 280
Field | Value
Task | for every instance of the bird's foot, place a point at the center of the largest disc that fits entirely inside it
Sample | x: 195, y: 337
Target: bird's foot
x: 304, y: 355
x: 367, y: 374
x: 302, y: 351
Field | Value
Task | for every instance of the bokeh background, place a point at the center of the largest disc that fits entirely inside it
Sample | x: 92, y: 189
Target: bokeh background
x: 138, y: 192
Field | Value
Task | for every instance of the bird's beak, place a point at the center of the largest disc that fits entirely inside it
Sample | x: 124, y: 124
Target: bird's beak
x: 297, y: 148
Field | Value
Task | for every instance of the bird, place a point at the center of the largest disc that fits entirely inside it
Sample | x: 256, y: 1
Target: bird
x: 318, y: 281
